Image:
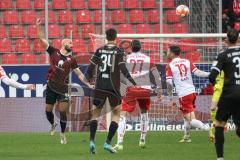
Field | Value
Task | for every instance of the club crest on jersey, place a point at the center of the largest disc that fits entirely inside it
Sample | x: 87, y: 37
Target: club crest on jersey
x: 60, y: 63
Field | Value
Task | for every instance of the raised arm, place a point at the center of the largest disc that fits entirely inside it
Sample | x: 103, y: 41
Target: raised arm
x: 44, y: 42
x: 216, y: 68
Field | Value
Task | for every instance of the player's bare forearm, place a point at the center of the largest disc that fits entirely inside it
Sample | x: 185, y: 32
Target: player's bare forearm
x: 81, y: 77
x: 44, y: 42
x: 157, y: 77
x: 201, y: 73
x: 126, y: 73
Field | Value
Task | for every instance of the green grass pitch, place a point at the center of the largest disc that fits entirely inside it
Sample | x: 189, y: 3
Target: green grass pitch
x: 160, y: 146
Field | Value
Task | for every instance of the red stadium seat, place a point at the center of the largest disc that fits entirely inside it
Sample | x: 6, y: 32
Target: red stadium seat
x: 2, y: 32
x: 37, y: 48
x: 29, y: 17
x: 153, y: 16
x: 77, y: 4
x: 90, y: 46
x: 143, y: 28
x: 51, y: 16
x: 23, y: 4
x: 237, y: 26
x: 83, y: 16
x: 133, y: 4
x: 16, y: 31
x: 39, y: 4
x: 193, y: 56
x: 5, y: 46
x: 168, y: 4
x: 79, y: 46
x: 94, y: 4
x: 148, y: 4
x: 10, y: 17
x: 42, y: 58
x: 150, y: 46
x: 32, y: 31
x: 6, y: 4
x: 187, y: 45
x: 9, y: 59
x: 57, y: 43
x: 68, y: 28
x: 97, y: 16
x: 54, y: 31
x: 155, y: 58
x: 118, y: 16
x: 28, y: 58
x: 137, y: 16
x: 86, y: 29
x: 108, y: 26
x: 171, y: 16
x: 83, y: 58
x: 165, y: 28
x: 113, y: 4
x: 65, y: 17
x: 125, y: 28
x: 59, y: 4
x: 22, y: 46
x: 180, y: 28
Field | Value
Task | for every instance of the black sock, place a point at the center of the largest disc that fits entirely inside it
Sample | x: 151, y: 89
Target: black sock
x: 219, y: 141
x: 63, y: 121
x: 50, y: 117
x: 112, y: 130
x: 93, y: 129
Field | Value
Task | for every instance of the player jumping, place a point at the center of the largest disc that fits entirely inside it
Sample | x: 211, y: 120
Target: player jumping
x: 229, y: 62
x: 140, y: 66
x: 179, y: 71
x: 61, y: 63
x: 10, y: 82
x: 111, y: 62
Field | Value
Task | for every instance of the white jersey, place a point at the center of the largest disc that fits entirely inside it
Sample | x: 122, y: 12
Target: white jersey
x: 180, y: 71
x: 139, y: 66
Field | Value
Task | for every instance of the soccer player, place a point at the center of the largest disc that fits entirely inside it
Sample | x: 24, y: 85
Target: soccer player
x: 179, y: 71
x: 111, y: 62
x: 10, y: 82
x: 140, y: 66
x: 61, y: 63
x: 229, y: 62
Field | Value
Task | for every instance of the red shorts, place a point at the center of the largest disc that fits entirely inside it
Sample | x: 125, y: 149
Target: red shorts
x: 134, y: 95
x: 187, y: 103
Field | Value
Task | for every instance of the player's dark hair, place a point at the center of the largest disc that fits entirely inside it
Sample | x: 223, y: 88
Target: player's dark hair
x: 136, y: 45
x: 232, y: 35
x: 111, y: 34
x: 175, y: 49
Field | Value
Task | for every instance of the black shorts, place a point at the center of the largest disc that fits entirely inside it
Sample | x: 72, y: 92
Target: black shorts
x: 100, y: 96
x: 227, y: 107
x: 52, y: 97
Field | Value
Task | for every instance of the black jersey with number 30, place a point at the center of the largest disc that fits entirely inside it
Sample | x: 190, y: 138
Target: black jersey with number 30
x: 111, y: 62
x: 229, y: 62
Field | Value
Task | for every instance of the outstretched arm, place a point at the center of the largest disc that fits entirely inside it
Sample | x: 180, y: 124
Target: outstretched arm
x: 201, y: 73
x: 125, y: 72
x: 13, y: 83
x: 44, y: 42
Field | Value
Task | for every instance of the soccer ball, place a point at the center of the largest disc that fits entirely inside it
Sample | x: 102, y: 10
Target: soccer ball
x: 182, y: 10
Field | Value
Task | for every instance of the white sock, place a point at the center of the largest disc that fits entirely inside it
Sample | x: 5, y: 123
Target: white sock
x: 187, y: 127
x: 144, y: 126
x: 198, y: 124
x: 121, y: 129
x: 220, y: 159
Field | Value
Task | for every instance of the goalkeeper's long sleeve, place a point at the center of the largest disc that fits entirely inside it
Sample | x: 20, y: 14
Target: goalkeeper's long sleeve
x: 13, y: 83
